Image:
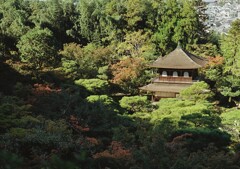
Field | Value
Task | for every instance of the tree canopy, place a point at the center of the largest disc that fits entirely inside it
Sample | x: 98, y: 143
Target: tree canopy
x: 70, y: 72
x: 38, y: 48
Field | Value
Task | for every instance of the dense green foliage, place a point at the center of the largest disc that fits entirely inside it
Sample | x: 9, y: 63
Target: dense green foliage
x: 197, y: 92
x: 136, y: 104
x: 96, y: 86
x: 69, y: 77
x: 32, y: 43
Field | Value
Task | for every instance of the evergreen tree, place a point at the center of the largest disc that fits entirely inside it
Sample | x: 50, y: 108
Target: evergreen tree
x: 37, y: 48
x: 179, y: 23
x: 13, y: 23
x: 230, y: 83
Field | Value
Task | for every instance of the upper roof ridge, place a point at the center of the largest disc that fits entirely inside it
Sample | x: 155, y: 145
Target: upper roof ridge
x: 179, y: 45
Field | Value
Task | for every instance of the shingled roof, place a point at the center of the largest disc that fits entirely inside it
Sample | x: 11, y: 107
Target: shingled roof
x: 179, y: 59
x: 165, y: 87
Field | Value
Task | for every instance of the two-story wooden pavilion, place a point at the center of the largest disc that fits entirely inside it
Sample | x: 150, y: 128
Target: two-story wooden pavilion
x: 177, y: 71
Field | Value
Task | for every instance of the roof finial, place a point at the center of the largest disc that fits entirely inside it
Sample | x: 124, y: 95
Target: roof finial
x: 179, y: 45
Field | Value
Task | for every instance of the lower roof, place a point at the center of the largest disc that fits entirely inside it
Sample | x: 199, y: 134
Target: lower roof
x: 162, y: 87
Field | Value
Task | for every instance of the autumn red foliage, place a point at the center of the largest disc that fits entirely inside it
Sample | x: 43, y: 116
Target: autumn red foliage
x: 74, y: 121
x: 178, y: 141
x: 115, y: 150
x: 214, y: 61
x: 92, y: 140
x: 127, y: 69
x: 42, y: 89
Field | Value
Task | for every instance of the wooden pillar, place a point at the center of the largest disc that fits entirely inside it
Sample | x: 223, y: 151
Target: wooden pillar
x: 152, y: 99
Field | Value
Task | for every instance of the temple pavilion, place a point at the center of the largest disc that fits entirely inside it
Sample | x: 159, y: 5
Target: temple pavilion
x: 176, y: 71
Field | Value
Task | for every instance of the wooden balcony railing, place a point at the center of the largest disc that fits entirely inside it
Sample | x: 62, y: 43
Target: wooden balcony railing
x: 174, y: 79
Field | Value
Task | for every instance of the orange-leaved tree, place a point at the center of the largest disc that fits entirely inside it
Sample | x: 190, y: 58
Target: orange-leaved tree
x: 129, y: 73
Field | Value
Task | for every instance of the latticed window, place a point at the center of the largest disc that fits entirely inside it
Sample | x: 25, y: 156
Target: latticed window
x: 185, y: 74
x: 175, y: 74
x: 164, y: 73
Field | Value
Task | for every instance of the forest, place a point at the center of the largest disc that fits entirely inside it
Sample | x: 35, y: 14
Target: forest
x: 70, y: 72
